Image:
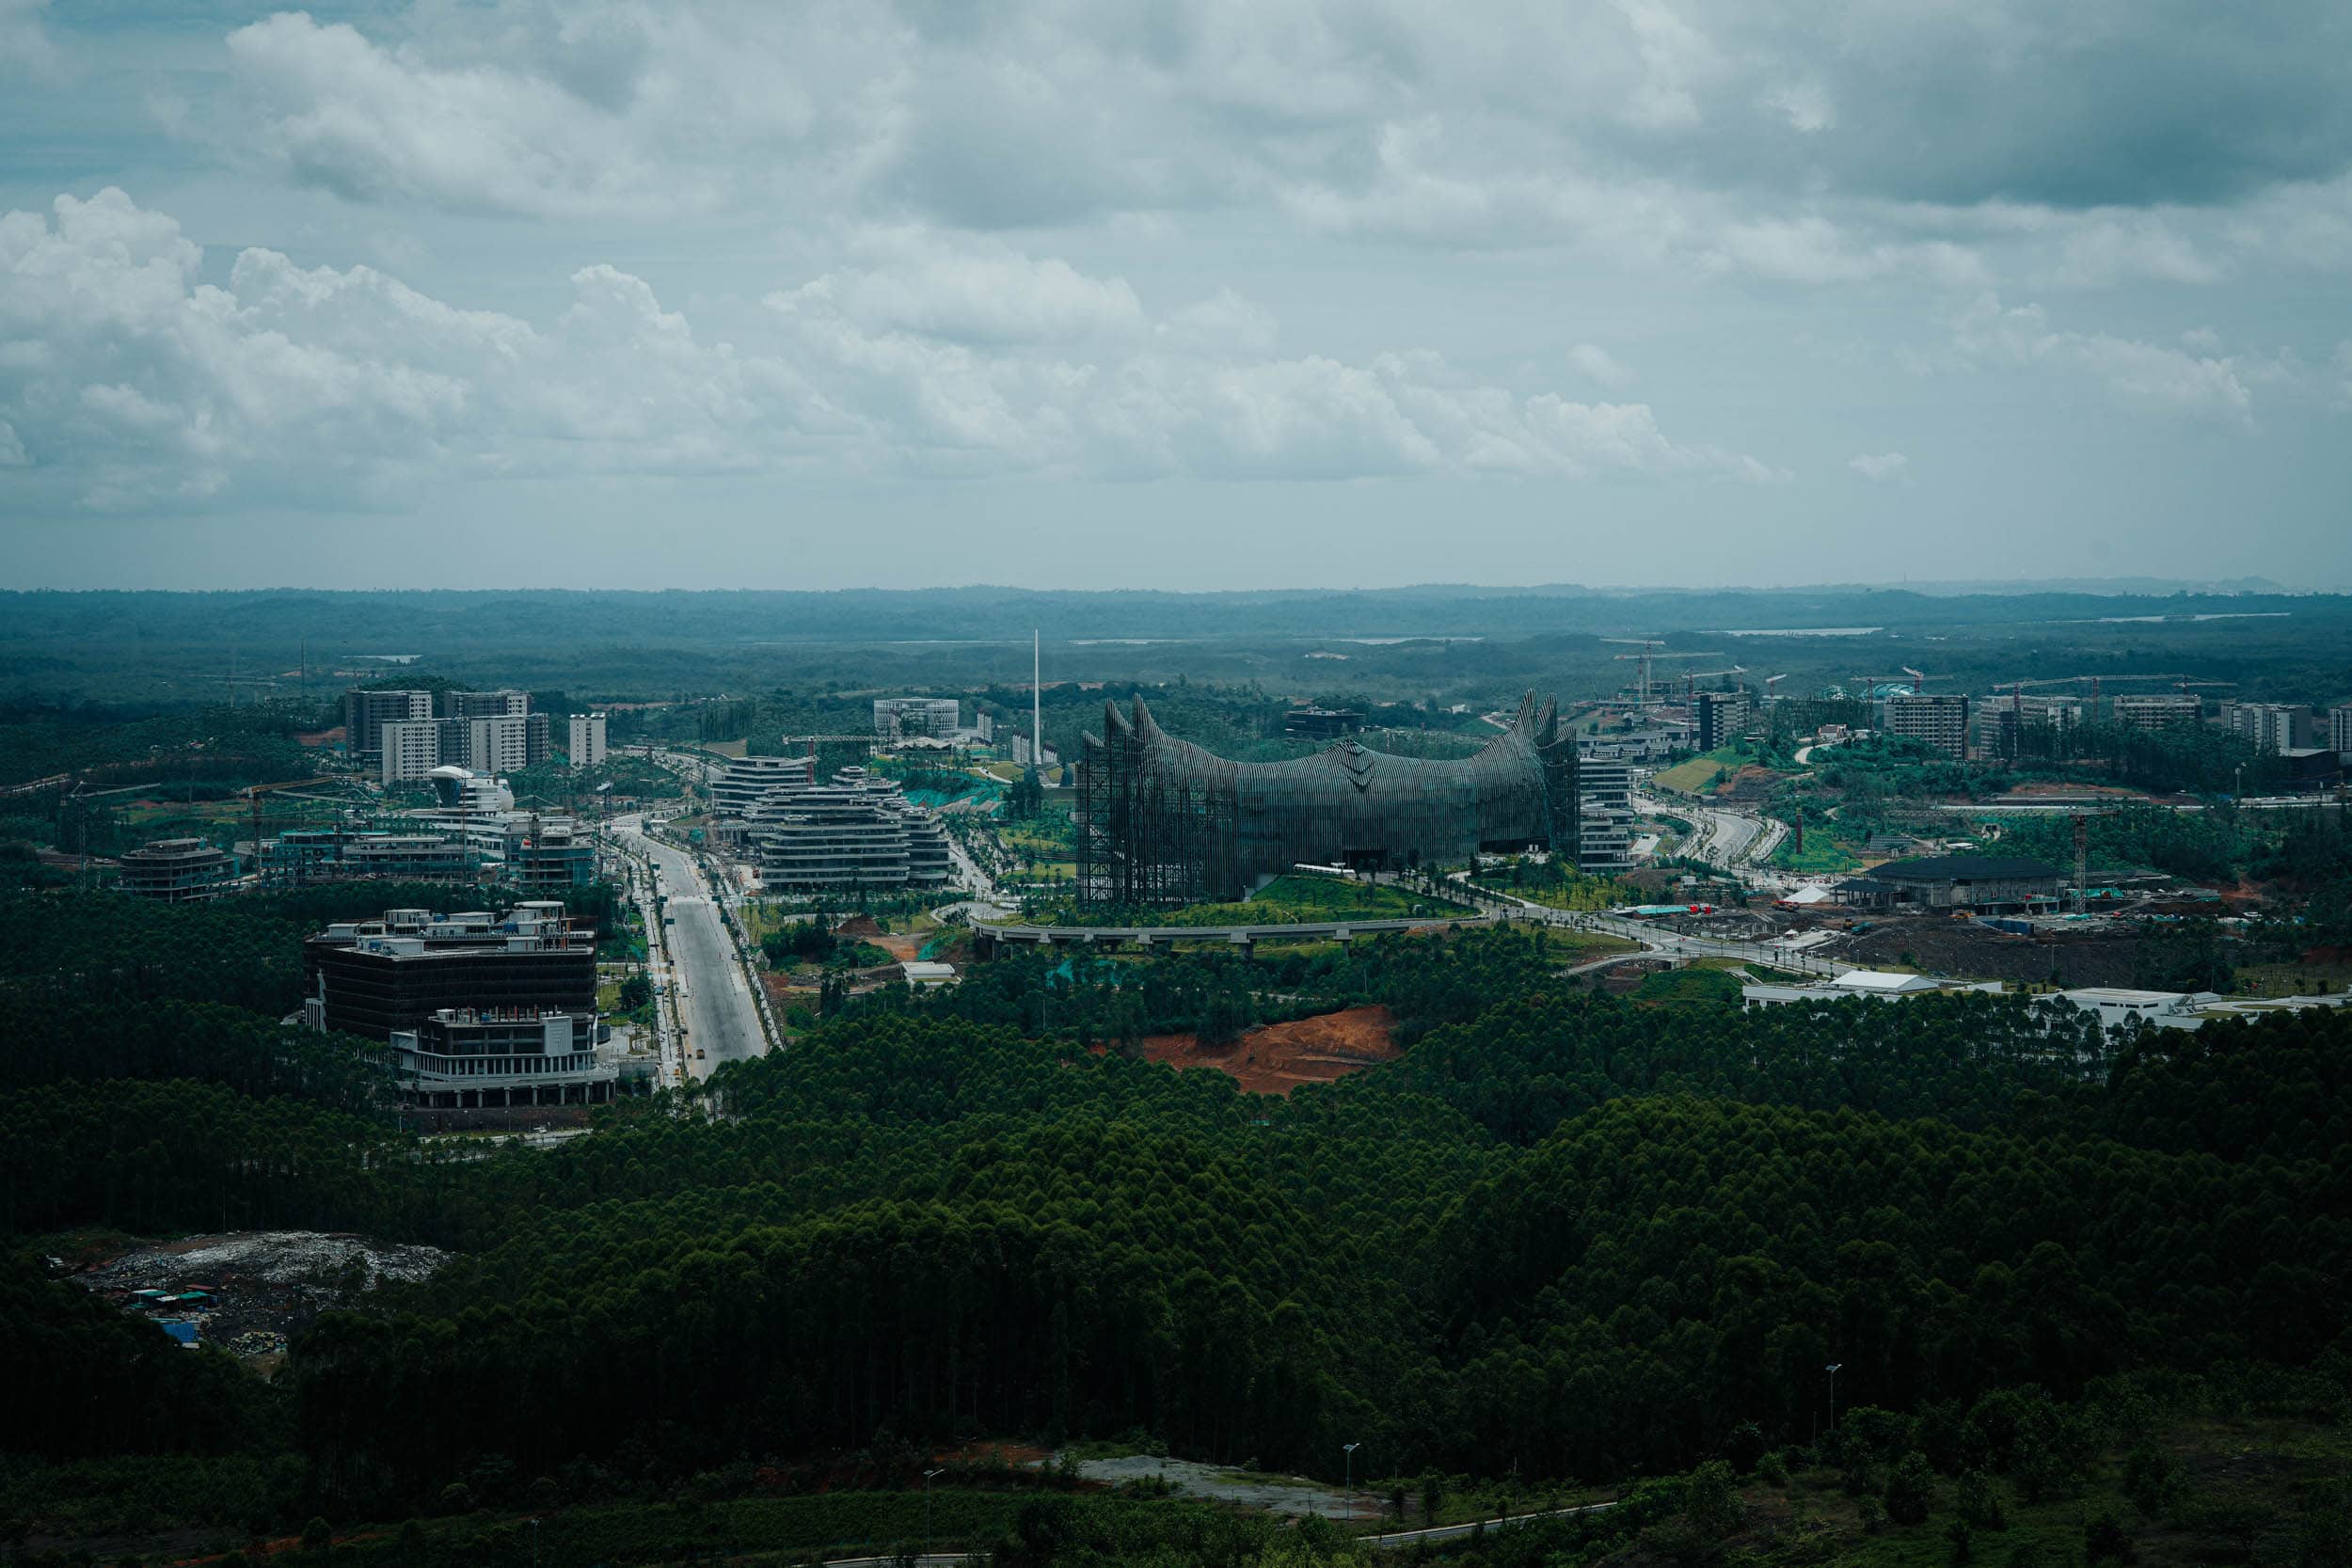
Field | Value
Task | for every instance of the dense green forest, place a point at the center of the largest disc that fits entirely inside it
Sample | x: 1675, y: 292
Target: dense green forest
x: 1566, y: 1235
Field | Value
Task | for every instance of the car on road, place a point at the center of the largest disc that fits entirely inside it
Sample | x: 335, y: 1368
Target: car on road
x: 699, y: 1053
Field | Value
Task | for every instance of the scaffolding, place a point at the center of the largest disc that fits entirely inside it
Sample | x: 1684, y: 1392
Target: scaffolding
x: 1143, y: 836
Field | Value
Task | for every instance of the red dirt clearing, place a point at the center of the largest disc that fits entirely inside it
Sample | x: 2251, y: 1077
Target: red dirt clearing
x: 865, y: 928
x: 1276, y: 1058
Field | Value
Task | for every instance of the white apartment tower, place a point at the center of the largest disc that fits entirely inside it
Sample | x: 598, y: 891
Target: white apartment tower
x: 410, y: 748
x: 2158, y: 711
x: 2273, y: 728
x: 1940, y: 720
x: 587, y: 740
x: 500, y: 745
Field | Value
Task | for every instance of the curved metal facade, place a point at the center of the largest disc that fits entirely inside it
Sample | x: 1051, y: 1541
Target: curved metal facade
x: 1160, y: 820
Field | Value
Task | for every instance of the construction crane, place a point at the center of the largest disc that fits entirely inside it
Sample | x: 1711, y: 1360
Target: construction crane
x: 1649, y: 654
x: 1771, y: 681
x: 1917, y: 675
x: 2082, y: 856
x: 1692, y: 677
x: 254, y: 793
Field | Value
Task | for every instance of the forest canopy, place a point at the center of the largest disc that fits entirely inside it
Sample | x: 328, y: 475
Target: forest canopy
x: 1565, y: 1231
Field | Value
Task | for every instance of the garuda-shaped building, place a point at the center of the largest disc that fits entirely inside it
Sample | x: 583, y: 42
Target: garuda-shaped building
x: 1161, y: 821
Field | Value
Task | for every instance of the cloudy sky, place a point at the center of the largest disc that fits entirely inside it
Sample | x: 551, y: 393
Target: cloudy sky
x: 1175, y: 293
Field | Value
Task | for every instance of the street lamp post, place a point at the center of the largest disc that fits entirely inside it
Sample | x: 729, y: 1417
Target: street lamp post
x: 1833, y: 1394
x: 1347, y: 1492
x: 927, y: 1507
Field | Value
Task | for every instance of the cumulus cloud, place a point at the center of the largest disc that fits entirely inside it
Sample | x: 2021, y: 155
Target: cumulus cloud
x: 2148, y: 375
x: 978, y: 294
x: 1597, y: 364
x: 148, y: 386
x: 1887, y: 465
x: 1686, y: 128
x: 2109, y: 248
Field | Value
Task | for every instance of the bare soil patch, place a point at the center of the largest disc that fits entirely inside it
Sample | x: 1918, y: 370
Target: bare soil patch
x: 1276, y: 1058
x: 1751, y: 785
x: 1625, y: 978
x: 2069, y: 786
x: 1963, y: 947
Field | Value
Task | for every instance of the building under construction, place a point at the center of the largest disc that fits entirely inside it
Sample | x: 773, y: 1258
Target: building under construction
x: 1161, y: 821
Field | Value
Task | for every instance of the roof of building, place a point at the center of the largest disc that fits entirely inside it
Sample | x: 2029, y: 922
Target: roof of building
x: 1881, y: 980
x: 2120, y: 996
x: 1963, y: 868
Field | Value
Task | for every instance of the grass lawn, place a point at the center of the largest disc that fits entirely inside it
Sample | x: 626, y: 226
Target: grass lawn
x: 1821, y: 854
x: 1581, y: 946
x: 2294, y: 979
x: 1296, y: 898
x: 1688, y: 778
x: 1693, y: 987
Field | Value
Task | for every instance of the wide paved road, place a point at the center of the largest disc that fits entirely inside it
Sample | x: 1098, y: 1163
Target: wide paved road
x: 722, y: 1018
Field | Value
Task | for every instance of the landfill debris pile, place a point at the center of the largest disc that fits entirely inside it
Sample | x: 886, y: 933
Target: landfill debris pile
x: 248, y: 1291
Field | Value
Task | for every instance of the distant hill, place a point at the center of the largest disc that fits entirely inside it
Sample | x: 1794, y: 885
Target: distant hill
x: 352, y: 625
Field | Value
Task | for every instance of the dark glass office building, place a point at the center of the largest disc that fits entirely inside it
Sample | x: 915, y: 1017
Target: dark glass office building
x: 373, y: 977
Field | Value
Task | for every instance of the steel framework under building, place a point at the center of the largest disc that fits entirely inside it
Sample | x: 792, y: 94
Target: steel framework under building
x: 1161, y: 821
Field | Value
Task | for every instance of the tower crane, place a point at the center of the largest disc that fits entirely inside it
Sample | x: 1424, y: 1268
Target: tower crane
x: 1649, y: 646
x: 253, y: 793
x: 1692, y: 677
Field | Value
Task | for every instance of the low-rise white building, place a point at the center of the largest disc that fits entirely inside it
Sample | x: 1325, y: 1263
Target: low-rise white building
x: 1885, y: 984
x: 465, y: 1059
x: 2120, y: 1007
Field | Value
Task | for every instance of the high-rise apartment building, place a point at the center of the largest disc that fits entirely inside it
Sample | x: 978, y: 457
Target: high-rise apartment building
x: 1719, y: 717
x: 504, y: 703
x: 409, y: 749
x: 2272, y: 727
x: 500, y: 745
x: 1940, y: 720
x: 2340, y: 729
x: 2159, y: 711
x: 2064, y: 713
x: 2001, y: 720
x: 587, y: 744
x: 365, y: 713
x: 900, y: 717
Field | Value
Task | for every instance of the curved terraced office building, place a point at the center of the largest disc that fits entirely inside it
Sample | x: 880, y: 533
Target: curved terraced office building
x: 856, y: 831
x: 1161, y: 821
